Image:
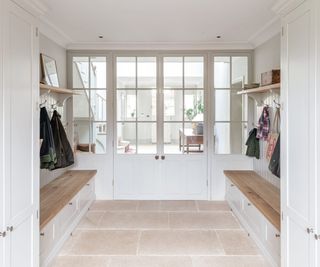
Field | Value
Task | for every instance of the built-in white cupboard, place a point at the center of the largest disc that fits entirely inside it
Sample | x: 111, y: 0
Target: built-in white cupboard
x: 300, y: 153
x: 19, y: 177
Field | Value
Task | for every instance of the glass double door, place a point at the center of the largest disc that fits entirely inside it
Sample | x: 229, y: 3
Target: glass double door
x: 160, y: 150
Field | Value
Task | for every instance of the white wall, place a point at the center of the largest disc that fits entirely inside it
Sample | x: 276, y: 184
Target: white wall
x: 59, y: 53
x: 51, y: 49
x: 266, y: 57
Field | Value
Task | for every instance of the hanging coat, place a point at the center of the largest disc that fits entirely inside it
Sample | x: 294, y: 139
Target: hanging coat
x: 253, y: 146
x: 48, y: 157
x: 63, y: 149
x: 274, y: 165
x: 264, y: 124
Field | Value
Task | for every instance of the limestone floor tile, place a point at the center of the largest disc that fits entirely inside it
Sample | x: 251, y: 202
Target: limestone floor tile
x: 237, y: 242
x: 230, y: 261
x: 107, y: 205
x: 149, y: 205
x: 135, y: 220
x: 179, y: 205
x: 156, y: 261
x: 177, y: 242
x: 103, y: 242
x: 91, y: 220
x: 203, y: 220
x: 81, y: 261
x: 66, y: 249
x: 213, y: 205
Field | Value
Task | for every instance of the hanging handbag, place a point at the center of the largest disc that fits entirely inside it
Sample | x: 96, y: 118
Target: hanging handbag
x: 274, y: 165
x: 273, y: 136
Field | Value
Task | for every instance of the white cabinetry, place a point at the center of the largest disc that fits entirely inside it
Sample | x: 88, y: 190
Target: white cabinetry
x: 266, y: 236
x: 300, y: 157
x: 56, y: 232
x: 19, y: 177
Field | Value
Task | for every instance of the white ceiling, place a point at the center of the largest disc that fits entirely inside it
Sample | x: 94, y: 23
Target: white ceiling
x: 159, y: 21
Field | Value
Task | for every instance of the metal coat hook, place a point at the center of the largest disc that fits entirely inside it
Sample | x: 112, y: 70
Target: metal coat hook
x: 54, y: 106
x: 43, y: 103
x: 278, y: 105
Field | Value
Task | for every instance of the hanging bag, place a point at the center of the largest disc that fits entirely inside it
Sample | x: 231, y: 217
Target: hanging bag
x: 273, y: 136
x: 274, y: 165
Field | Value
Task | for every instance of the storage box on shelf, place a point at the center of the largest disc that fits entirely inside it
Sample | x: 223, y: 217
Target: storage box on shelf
x: 63, y: 203
x: 256, y: 203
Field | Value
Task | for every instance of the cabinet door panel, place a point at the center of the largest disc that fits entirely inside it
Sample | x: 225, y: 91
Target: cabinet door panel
x: 21, y: 250
x: 2, y: 189
x: 21, y: 135
x: 298, y: 245
x: 298, y: 137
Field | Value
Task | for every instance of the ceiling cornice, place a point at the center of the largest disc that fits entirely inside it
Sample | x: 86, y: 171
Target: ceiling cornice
x: 268, y: 31
x: 35, y: 7
x: 161, y: 46
x: 52, y: 32
x: 283, y: 7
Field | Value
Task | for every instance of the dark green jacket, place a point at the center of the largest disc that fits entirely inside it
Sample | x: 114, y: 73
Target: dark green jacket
x: 62, y: 146
x: 253, y: 146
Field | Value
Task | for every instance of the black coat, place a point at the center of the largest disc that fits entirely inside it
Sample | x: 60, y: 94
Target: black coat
x: 48, y: 157
x: 63, y: 149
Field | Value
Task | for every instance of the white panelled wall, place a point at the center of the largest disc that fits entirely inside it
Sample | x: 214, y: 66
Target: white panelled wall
x: 261, y: 166
x: 266, y: 58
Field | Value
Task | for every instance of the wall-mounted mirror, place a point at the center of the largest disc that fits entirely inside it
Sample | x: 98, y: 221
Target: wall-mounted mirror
x: 49, y: 71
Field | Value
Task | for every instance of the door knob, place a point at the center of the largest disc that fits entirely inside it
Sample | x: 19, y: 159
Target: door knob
x: 3, y: 234
x: 156, y: 157
x: 163, y: 157
x: 10, y: 229
x: 310, y: 230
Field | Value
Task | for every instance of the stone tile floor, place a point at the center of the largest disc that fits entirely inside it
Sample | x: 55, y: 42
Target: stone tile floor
x: 160, y: 234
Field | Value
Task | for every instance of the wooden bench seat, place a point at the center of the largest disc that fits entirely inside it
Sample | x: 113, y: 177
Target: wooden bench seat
x: 57, y: 194
x: 262, y: 194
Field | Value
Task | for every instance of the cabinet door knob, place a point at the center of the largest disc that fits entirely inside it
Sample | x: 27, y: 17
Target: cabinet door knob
x: 70, y: 203
x: 249, y: 204
x: 42, y: 234
x: 3, y: 234
x: 277, y: 235
x: 156, y: 157
x: 163, y: 157
x: 310, y: 230
x: 317, y: 237
x: 10, y: 228
x: 232, y: 185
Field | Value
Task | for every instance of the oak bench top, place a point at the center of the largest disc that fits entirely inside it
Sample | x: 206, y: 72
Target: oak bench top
x: 58, y: 193
x: 262, y: 194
